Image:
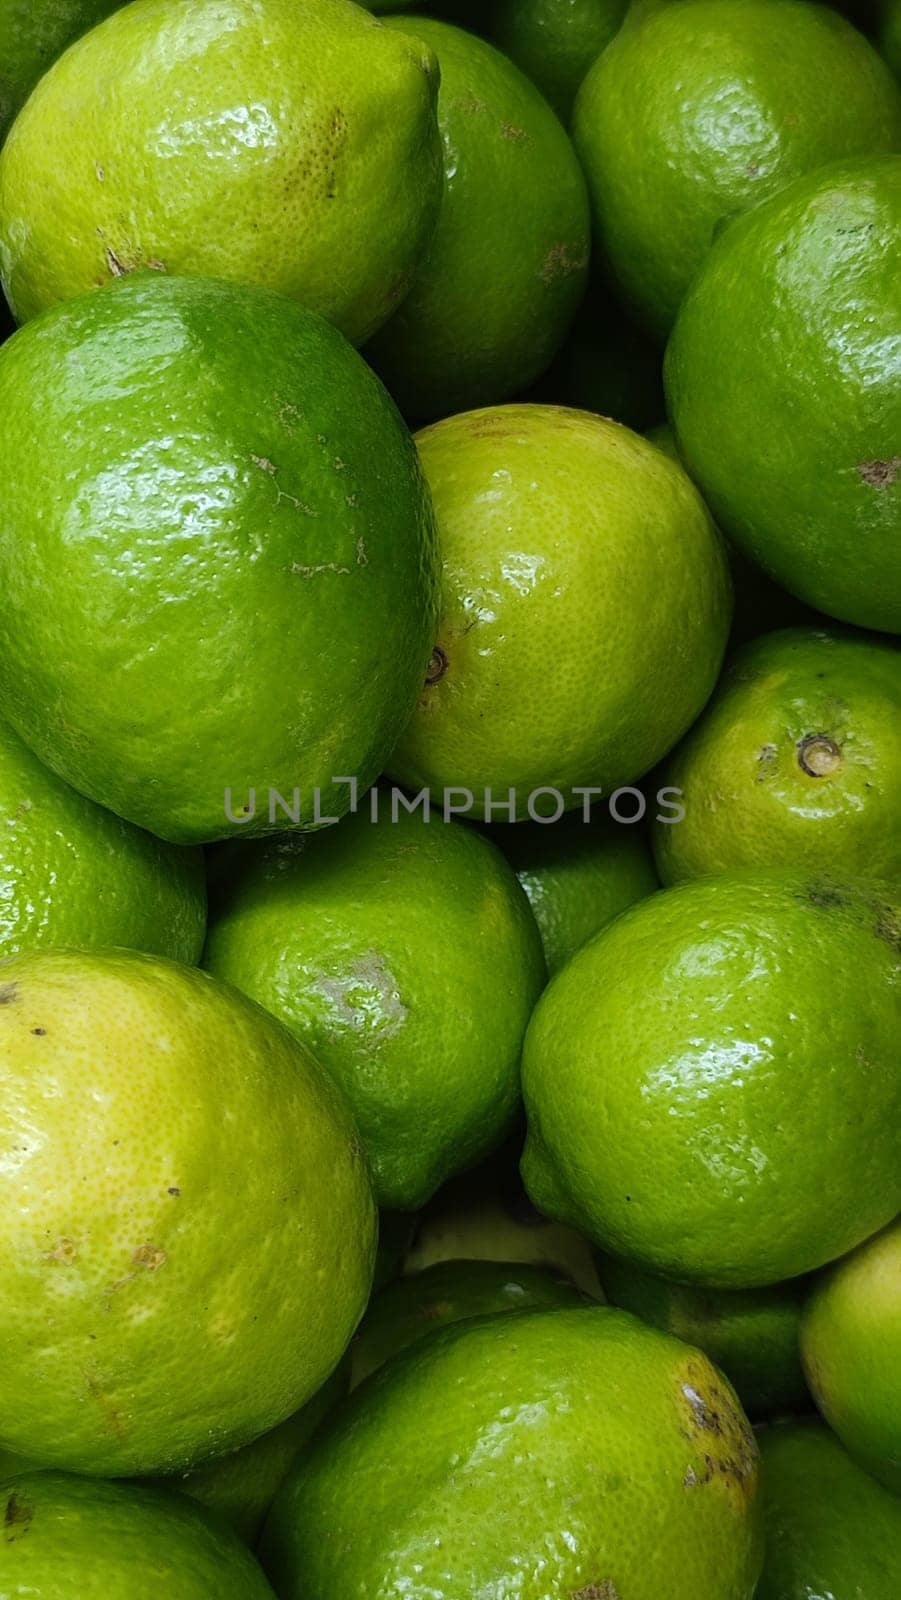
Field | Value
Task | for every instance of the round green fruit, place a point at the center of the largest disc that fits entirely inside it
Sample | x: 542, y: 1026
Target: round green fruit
x: 554, y: 41
x: 830, y: 1530
x: 585, y: 608
x: 253, y: 140
x: 578, y: 876
x: 678, y: 1108
x: 737, y: 98
x: 559, y: 1452
x: 414, y: 1308
x: 71, y: 873
x: 795, y: 762
x: 507, y: 266
x: 851, y: 1346
x: 33, y: 36
x: 181, y: 1179
x: 216, y: 554
x: 66, y: 1535
x: 750, y: 1334
x: 607, y: 365
x: 405, y: 955
x: 791, y: 337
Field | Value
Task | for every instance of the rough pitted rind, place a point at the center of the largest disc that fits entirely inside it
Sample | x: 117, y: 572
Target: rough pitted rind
x: 254, y: 140
x: 783, y: 379
x: 712, y: 1083
x: 543, y: 1453
x: 217, y: 555
x: 180, y: 1182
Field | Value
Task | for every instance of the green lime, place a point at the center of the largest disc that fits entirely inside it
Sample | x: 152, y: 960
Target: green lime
x: 830, y: 1530
x: 64, y: 1536
x: 181, y: 1180
x: 211, y: 503
x: 508, y: 263
x: 578, y: 876
x: 485, y: 1215
x: 404, y: 954
x: 559, y: 1452
x: 241, y: 1486
x: 33, y: 36
x: 255, y: 140
x: 750, y: 1334
x: 606, y: 364
x: 678, y: 1107
x: 795, y: 762
x: 71, y: 873
x: 396, y: 1233
x: 553, y: 41
x: 791, y: 336
x: 579, y: 566
x: 851, y: 1345
x: 760, y: 604
x: 737, y: 98
x: 451, y: 1291
x: 890, y: 34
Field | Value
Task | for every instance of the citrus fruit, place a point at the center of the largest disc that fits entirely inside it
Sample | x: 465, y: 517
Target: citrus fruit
x: 241, y: 1486
x: 890, y: 34
x: 584, y: 611
x: 212, y: 504
x: 33, y: 36
x: 396, y: 1230
x: 830, y: 1530
x: 404, y: 954
x: 791, y: 336
x: 181, y: 1178
x: 851, y: 1342
x: 113, y: 1541
x: 712, y: 1084
x: 760, y: 604
x: 73, y: 874
x: 553, y: 41
x: 507, y: 266
x: 606, y: 364
x: 483, y: 1216
x: 578, y: 876
x: 561, y: 1452
x: 750, y: 1334
x: 795, y: 762
x: 737, y: 98
x: 253, y: 140
x: 451, y: 1291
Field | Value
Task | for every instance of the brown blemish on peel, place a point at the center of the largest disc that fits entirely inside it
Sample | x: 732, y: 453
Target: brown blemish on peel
x: 437, y: 665
x: 149, y: 1256
x: 560, y: 261
x: 818, y: 755
x: 766, y: 761
x: 512, y: 132
x: 605, y: 1590
x: 716, y: 1426
x: 17, y: 1517
x: 880, y: 474
x: 64, y: 1251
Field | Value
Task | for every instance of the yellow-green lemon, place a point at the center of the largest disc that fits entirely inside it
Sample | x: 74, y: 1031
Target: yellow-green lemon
x: 188, y: 1227
x: 255, y: 140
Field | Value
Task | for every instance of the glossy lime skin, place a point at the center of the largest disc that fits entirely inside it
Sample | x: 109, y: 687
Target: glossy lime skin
x: 790, y: 336
x: 795, y: 762
x: 253, y: 140
x: 679, y: 1111
x: 830, y: 1530
x: 240, y: 1487
x: 851, y: 1346
x: 217, y: 555
x: 585, y: 607
x: 34, y: 33
x: 559, y: 1452
x: 750, y: 1334
x: 113, y: 1541
x: 451, y: 1291
x: 405, y: 955
x: 554, y: 41
x: 508, y: 263
x: 738, y: 98
x: 578, y: 876
x: 71, y: 873
x: 181, y: 1179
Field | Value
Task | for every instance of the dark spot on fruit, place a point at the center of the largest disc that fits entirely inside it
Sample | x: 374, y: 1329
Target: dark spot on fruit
x: 605, y: 1590
x: 766, y: 761
x: 9, y: 993
x: 561, y: 261
x: 435, y: 1312
x: 64, y: 1251
x: 880, y: 474
x: 437, y: 665
x: 825, y: 896
x: 704, y: 1414
x: 16, y: 1517
x: 149, y: 1256
x: 512, y: 132
x: 116, y: 267
x: 174, y: 1191
x: 39, y: 1033
x: 888, y: 927
x: 818, y: 755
